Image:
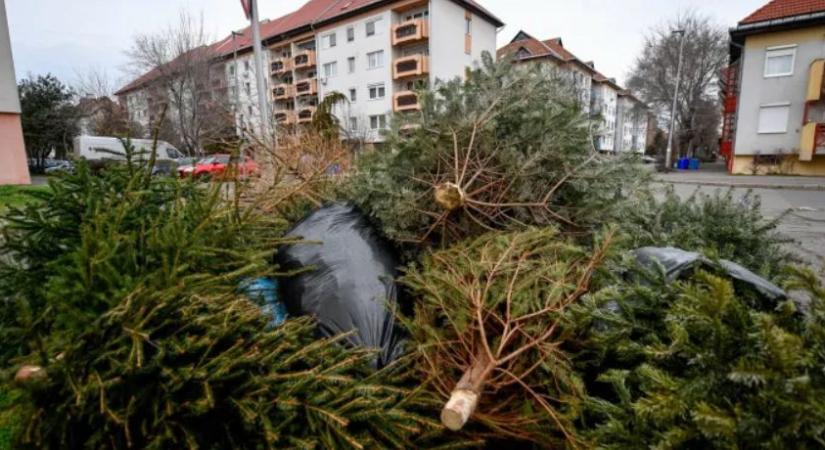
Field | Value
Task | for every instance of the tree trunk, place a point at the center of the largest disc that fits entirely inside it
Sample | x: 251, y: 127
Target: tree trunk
x: 464, y: 398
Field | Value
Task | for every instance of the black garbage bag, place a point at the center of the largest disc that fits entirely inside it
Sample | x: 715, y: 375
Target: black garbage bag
x: 348, y: 282
x: 677, y: 261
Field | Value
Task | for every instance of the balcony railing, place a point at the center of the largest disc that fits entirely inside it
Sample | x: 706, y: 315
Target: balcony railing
x: 281, y: 65
x: 283, y: 91
x: 405, y: 101
x: 306, y: 87
x: 285, y: 117
x: 304, y: 59
x: 411, y: 66
x: 305, y: 114
x: 415, y: 30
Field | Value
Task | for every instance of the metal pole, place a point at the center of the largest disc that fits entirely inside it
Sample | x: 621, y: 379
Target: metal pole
x: 236, y: 107
x: 263, y: 104
x: 668, y: 155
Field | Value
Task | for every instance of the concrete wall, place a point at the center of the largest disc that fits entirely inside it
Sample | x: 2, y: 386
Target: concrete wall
x: 448, y: 58
x: 13, y: 166
x: 788, y: 165
x: 757, y: 90
x: 362, y: 108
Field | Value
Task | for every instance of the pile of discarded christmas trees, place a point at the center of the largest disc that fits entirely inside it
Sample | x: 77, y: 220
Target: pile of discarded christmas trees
x: 485, y: 279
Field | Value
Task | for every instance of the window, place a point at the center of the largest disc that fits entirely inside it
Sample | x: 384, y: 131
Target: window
x: 331, y: 69
x: 468, y: 24
x: 350, y: 34
x: 249, y: 110
x: 353, y: 94
x: 351, y: 64
x: 773, y: 118
x: 375, y: 60
x: 246, y: 65
x: 377, y: 91
x: 417, y: 15
x: 372, y: 26
x: 329, y: 40
x: 779, y: 61
x: 248, y: 88
x: 231, y: 69
x: 353, y: 124
x: 378, y: 122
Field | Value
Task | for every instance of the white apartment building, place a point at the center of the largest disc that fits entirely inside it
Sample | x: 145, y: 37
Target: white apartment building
x: 631, y: 124
x: 604, y: 107
x: 619, y: 126
x: 377, y: 60
x: 374, y: 52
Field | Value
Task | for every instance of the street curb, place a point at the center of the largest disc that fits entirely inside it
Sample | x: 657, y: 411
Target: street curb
x: 790, y: 187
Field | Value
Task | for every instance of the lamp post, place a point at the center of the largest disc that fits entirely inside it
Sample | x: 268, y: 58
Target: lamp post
x: 251, y: 10
x: 669, y: 152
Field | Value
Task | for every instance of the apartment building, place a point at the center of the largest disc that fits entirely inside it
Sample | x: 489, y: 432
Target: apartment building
x: 13, y: 166
x: 622, y: 118
x: 773, y: 101
x: 377, y: 55
x: 375, y: 52
x: 631, y: 124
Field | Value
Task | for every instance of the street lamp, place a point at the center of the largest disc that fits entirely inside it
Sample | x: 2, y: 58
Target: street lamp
x: 668, y: 158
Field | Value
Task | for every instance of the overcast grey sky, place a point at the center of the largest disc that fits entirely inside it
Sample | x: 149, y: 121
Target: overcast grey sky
x: 65, y: 37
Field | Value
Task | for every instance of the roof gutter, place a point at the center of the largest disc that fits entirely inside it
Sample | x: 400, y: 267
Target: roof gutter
x: 782, y: 23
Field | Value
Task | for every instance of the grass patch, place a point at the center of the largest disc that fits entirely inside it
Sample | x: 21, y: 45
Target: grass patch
x: 9, y: 420
x: 18, y: 195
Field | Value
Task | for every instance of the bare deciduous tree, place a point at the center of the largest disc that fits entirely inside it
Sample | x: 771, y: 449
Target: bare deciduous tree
x: 189, y: 79
x: 654, y: 77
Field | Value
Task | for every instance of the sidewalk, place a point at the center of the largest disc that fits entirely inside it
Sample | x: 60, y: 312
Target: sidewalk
x: 723, y: 179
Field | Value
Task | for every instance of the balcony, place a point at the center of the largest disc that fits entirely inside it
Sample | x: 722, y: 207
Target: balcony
x: 410, y: 66
x: 285, y: 117
x: 307, y: 86
x: 305, y: 114
x: 281, y: 65
x: 415, y: 30
x: 304, y: 60
x: 405, y: 101
x: 283, y: 92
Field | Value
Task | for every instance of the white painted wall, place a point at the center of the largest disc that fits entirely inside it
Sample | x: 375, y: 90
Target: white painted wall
x: 9, y: 100
x: 604, y: 100
x: 247, y: 110
x: 362, y: 108
x: 447, y: 56
x: 137, y: 105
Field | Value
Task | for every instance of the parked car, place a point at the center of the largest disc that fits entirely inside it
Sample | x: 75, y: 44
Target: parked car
x: 59, y: 166
x: 216, y: 166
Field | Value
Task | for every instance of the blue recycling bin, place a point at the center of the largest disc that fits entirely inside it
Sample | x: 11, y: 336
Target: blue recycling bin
x: 694, y: 164
x: 684, y: 164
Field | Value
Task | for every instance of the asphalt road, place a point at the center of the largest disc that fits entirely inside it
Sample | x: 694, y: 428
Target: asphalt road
x: 802, y: 212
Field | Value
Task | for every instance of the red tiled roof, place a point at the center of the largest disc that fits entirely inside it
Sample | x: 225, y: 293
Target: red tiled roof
x: 550, y: 47
x: 779, y: 9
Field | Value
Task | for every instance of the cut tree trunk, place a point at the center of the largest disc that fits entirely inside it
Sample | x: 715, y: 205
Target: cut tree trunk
x: 464, y: 398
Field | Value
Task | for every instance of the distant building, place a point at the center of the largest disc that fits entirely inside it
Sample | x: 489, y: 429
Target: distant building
x: 376, y: 53
x: 622, y: 118
x: 13, y: 166
x: 774, y: 107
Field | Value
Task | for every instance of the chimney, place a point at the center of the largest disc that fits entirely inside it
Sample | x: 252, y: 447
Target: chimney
x: 590, y: 64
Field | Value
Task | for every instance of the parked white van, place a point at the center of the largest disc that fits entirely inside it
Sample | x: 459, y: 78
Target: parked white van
x: 99, y: 148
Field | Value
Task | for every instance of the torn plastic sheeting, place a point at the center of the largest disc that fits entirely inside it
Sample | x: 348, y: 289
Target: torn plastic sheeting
x: 349, y: 278
x: 676, y: 261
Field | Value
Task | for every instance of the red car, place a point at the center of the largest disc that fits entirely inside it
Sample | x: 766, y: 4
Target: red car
x: 215, y: 166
